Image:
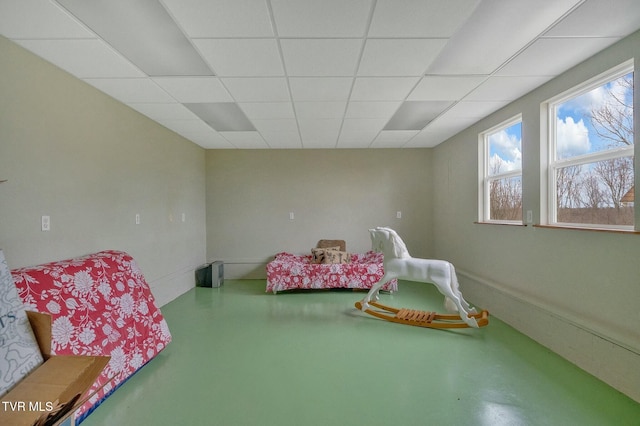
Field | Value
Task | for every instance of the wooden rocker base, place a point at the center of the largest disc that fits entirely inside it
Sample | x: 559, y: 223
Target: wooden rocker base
x: 423, y: 318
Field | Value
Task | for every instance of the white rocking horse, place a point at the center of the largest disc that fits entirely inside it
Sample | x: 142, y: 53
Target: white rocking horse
x: 398, y: 263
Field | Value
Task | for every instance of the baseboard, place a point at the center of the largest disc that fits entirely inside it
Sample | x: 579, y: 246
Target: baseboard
x: 602, y: 354
x: 171, y: 286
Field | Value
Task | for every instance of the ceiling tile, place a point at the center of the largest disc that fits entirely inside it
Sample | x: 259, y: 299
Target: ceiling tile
x: 319, y: 133
x: 495, y: 32
x: 267, y: 110
x: 255, y: 89
x: 444, y: 88
x: 241, y: 57
x: 320, y: 109
x: 384, y: 110
x: 393, y: 138
x: 360, y: 132
x: 208, y: 139
x: 419, y: 18
x: 221, y: 18
x: 194, y: 89
x: 248, y: 140
x: 382, y: 88
x: 282, y: 140
x: 599, y: 18
x: 164, y: 111
x: 476, y: 109
x: 321, y: 57
x: 190, y: 126
x: 320, y: 89
x: 326, y: 18
x: 505, y: 88
x: 552, y: 56
x: 39, y: 19
x: 414, y: 115
x: 286, y: 125
x: 84, y: 58
x: 398, y: 57
x: 131, y: 90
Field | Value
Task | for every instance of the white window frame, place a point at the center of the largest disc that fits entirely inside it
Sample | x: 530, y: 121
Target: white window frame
x: 484, y: 191
x: 549, y: 194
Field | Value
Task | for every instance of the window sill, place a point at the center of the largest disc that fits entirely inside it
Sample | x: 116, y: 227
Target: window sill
x: 576, y: 228
x: 501, y: 223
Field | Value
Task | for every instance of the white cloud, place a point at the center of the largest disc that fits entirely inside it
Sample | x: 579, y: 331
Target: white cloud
x: 571, y: 138
x: 506, y: 151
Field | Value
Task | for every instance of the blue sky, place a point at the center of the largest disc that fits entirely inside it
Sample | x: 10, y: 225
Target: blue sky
x: 505, y: 147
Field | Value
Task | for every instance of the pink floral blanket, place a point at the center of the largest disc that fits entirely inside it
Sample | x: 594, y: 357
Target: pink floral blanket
x: 99, y: 304
x: 289, y: 271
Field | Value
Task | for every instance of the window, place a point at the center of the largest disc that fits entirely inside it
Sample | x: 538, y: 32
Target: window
x: 501, y: 173
x: 591, y: 153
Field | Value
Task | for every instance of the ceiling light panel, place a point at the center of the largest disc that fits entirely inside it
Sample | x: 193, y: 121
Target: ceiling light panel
x: 144, y: 33
x: 242, y: 57
x: 321, y: 57
x: 445, y: 88
x: 599, y: 18
x: 84, y: 58
x: 326, y: 18
x: 496, y: 31
x: 221, y: 18
x: 552, y: 56
x: 222, y: 116
x: 419, y: 18
x: 45, y: 20
x: 393, y: 138
x: 194, y: 89
x: 415, y: 115
x: 398, y: 57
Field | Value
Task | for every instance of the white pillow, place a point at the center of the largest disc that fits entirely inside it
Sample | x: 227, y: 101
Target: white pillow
x: 19, y: 351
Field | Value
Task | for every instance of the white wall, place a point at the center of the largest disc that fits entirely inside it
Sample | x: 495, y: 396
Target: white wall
x: 334, y: 194
x: 91, y: 163
x: 575, y: 291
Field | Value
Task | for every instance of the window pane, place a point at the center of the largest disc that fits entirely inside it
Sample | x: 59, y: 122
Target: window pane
x: 596, y: 193
x: 505, y: 199
x: 505, y: 150
x: 596, y: 121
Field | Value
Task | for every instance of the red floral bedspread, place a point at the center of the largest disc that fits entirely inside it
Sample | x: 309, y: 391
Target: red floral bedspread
x: 289, y: 271
x: 100, y: 304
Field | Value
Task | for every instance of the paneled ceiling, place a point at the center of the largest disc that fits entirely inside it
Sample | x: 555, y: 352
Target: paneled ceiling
x: 316, y: 73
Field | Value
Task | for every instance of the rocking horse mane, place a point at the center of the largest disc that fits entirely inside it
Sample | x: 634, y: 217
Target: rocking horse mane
x: 397, y: 245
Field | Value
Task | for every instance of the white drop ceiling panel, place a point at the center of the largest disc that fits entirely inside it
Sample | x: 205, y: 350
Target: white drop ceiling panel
x: 399, y: 57
x: 131, y: 90
x: 84, y: 58
x: 267, y: 110
x: 326, y: 18
x: 445, y: 88
x: 382, y: 88
x: 194, y: 89
x: 320, y: 89
x: 221, y: 18
x: 257, y: 89
x: 241, y: 57
x: 39, y: 19
x: 320, y: 74
x: 320, y: 109
x: 321, y: 57
x: 419, y: 18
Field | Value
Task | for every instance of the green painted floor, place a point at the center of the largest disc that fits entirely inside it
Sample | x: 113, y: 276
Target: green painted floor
x: 240, y: 356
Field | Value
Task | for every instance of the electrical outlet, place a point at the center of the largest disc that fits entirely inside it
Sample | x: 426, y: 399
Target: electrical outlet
x: 46, y: 223
x: 292, y: 216
x: 529, y: 216
x: 137, y: 218
x: 398, y: 215
x: 184, y: 217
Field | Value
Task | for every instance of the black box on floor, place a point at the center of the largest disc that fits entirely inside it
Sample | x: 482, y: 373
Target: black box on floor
x: 210, y: 275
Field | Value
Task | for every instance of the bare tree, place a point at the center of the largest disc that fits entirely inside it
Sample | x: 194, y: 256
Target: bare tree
x: 613, y: 120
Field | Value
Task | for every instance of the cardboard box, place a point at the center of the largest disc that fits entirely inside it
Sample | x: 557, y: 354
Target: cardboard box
x: 55, y: 388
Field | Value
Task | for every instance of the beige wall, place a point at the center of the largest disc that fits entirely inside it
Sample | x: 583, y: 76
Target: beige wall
x: 91, y: 163
x: 575, y: 291
x: 334, y: 194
